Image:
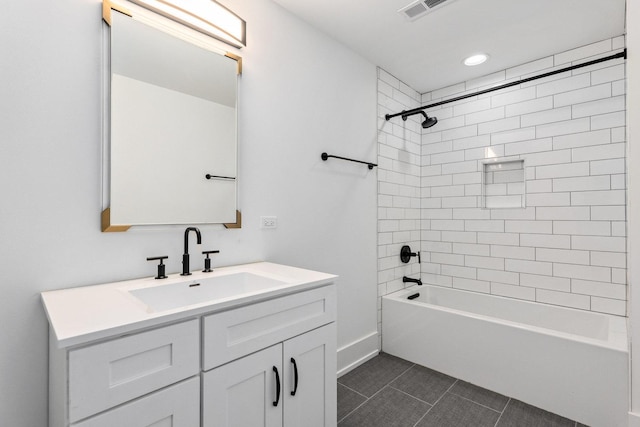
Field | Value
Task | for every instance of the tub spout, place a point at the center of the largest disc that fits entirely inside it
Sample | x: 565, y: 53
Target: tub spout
x: 406, y: 279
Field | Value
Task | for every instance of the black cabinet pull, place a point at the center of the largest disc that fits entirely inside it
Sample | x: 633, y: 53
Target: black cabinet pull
x: 277, y: 386
x: 295, y: 376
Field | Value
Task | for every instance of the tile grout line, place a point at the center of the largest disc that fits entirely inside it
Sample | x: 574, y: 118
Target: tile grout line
x: 355, y: 391
x: 477, y: 403
x: 502, y: 413
x: 374, y: 394
x: 436, y: 402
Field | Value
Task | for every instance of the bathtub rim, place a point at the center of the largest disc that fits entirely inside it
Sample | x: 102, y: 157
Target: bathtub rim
x: 617, y: 332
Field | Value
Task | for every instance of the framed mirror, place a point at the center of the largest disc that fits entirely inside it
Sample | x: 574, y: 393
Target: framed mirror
x: 172, y: 145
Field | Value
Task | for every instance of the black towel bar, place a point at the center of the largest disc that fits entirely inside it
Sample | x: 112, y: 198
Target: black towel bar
x: 325, y: 156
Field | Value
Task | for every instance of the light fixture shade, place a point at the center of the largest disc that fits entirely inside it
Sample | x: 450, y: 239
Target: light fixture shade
x: 476, y: 59
x: 207, y: 16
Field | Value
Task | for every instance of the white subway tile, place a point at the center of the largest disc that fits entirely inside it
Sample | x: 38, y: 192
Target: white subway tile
x: 513, y: 96
x: 460, y: 167
x: 513, y: 252
x: 487, y: 80
x: 609, y: 74
x: 460, y: 202
x: 430, y: 138
x: 619, y: 88
x: 498, y: 276
x: 564, y: 128
x: 431, y: 170
x: 484, y: 153
x: 450, y: 157
x: 437, y: 214
x: 446, y: 125
x: 511, y: 291
x: 545, y: 241
x: 449, y: 259
x: 530, y: 67
x: 600, y: 289
x: 562, y: 170
x: 515, y: 213
x: 609, y: 306
x: 448, y: 191
x: 472, y: 142
x: 448, y: 91
x: 437, y: 147
x: 545, y: 282
x: 583, y: 52
x: 619, y: 275
x: 471, y: 285
x: 546, y: 116
x: 524, y: 147
x: 609, y: 120
x: 467, y: 178
x: 499, y: 238
x: 547, y: 158
x: 525, y: 266
x: 449, y: 225
x: 563, y: 85
x: 608, y: 213
x: 599, y: 243
x: 539, y: 186
x: 582, y: 139
x: 595, y: 198
x: 486, y: 225
x: 516, y: 135
x: 619, y: 228
x: 585, y: 272
x: 471, y: 249
x: 562, y: 255
x: 484, y: 262
x: 436, y: 279
x: 484, y: 116
x: 563, y: 299
x: 537, y: 227
x: 618, y: 42
x: 472, y: 213
x: 586, y: 183
x: 437, y: 180
x: 499, y: 125
x: 585, y: 228
x: 503, y: 202
x: 549, y: 199
x: 472, y: 189
x: 601, y: 106
x: 458, y: 271
x: 619, y: 182
x: 472, y: 106
x: 459, y: 236
x: 590, y: 93
x: 562, y: 213
x: 527, y: 107
x: 609, y: 259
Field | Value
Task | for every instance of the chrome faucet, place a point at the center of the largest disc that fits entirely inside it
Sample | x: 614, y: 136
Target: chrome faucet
x: 185, y: 256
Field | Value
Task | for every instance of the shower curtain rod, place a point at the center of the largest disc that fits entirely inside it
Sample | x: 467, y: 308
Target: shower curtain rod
x: 622, y: 54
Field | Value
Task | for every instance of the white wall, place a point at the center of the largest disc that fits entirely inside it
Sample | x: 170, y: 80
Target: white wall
x: 633, y: 208
x: 301, y: 94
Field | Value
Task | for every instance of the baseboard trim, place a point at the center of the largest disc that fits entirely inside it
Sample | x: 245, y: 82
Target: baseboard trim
x: 356, y: 353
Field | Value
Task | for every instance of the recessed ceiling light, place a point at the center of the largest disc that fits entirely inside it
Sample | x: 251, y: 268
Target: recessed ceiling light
x: 476, y: 59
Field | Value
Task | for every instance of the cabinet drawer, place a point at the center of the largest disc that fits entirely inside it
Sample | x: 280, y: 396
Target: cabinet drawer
x: 235, y: 333
x: 174, y: 406
x: 110, y: 373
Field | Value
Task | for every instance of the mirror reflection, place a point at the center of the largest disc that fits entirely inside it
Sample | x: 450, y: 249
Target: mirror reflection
x: 173, y: 123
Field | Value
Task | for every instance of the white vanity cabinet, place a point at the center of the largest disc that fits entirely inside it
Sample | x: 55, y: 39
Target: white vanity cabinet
x: 217, y: 364
x: 287, y: 337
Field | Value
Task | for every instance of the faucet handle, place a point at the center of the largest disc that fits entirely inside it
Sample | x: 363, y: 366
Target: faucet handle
x: 161, y: 266
x: 207, y: 261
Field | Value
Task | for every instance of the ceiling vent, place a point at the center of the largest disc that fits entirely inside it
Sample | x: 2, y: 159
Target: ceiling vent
x: 416, y: 9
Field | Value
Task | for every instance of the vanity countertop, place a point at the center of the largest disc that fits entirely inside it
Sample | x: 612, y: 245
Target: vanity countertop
x: 83, y: 314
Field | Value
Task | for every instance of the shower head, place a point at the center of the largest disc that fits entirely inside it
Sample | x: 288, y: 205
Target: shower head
x: 428, y: 121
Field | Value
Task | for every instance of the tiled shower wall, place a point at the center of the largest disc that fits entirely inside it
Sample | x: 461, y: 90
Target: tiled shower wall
x: 567, y: 245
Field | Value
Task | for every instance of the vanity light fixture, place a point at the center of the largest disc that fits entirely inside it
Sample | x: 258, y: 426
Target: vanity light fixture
x: 206, y: 16
x: 476, y: 59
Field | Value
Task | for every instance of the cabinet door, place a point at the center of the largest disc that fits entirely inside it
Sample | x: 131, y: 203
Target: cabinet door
x: 313, y: 402
x: 242, y: 393
x: 175, y: 406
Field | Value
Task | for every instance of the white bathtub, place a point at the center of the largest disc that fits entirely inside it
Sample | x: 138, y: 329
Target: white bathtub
x: 570, y: 362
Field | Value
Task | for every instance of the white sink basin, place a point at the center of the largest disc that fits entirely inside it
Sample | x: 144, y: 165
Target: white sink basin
x: 167, y: 297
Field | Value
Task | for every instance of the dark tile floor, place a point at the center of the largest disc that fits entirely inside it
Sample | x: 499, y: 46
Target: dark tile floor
x: 388, y: 391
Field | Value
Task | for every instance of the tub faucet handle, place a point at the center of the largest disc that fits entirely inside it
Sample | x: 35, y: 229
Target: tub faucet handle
x: 406, y: 254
